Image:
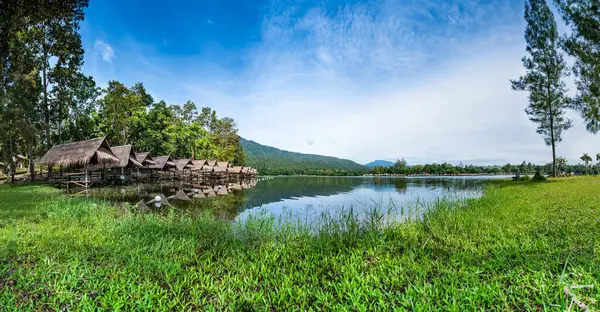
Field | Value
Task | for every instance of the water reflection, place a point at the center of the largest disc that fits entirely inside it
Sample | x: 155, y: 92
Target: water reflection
x: 291, y: 198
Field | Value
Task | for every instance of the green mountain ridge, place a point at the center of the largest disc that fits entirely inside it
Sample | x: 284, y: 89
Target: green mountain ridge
x: 273, y: 161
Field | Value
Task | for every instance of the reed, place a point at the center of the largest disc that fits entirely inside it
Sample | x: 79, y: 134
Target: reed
x: 515, y: 248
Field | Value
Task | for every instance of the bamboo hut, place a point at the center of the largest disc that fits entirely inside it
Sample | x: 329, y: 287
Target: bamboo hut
x: 145, y: 159
x: 235, y: 170
x: 144, y: 173
x: 78, y: 155
x: 19, y: 160
x: 164, y: 165
x: 198, y: 172
x: 221, y: 169
x: 184, y: 167
x: 123, y: 169
x: 198, y: 164
x: 183, y: 164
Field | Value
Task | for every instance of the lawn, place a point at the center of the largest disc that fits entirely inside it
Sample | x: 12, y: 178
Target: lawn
x: 516, y: 248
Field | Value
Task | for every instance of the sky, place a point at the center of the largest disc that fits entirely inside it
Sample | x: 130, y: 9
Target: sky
x: 427, y: 81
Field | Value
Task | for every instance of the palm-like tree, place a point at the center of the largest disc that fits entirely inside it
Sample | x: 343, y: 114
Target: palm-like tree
x: 586, y: 159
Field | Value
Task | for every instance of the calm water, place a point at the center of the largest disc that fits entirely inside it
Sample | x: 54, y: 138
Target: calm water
x: 300, y: 198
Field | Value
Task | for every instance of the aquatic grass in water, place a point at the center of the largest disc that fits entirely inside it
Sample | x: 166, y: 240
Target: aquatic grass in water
x: 515, y: 248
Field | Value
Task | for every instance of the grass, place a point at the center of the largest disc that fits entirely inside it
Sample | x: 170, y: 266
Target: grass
x: 515, y: 248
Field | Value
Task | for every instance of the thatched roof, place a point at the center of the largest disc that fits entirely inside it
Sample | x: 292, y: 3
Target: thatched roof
x: 208, y: 168
x: 222, y: 166
x: 80, y: 154
x: 126, y: 157
x: 145, y: 159
x: 235, y: 169
x: 198, y: 164
x: 163, y: 162
x: 184, y: 164
x: 211, y: 163
x: 180, y: 195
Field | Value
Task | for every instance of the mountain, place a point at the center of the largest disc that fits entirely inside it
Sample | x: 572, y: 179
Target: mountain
x: 379, y: 163
x: 273, y: 161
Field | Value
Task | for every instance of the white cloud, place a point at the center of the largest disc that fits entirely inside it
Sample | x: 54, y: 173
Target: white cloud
x: 104, y: 50
x: 424, y: 81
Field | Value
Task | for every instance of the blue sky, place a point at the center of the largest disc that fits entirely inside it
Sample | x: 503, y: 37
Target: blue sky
x: 364, y: 80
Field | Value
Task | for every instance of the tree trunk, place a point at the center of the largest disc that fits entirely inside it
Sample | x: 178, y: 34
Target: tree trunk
x: 31, y: 164
x: 12, y: 161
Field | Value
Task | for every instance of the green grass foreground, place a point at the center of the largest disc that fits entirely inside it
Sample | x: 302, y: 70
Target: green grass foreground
x: 514, y: 249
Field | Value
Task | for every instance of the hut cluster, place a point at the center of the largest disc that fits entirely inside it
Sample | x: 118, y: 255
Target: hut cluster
x: 93, y: 161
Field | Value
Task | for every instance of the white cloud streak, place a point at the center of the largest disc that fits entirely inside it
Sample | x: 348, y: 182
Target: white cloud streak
x: 105, y: 51
x: 427, y: 81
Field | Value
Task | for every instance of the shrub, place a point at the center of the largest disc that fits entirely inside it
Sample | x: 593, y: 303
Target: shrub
x: 538, y: 177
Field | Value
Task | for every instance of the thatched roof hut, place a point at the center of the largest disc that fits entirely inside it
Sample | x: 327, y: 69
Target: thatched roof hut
x: 198, y: 164
x: 235, y: 169
x: 163, y: 163
x: 184, y: 164
x: 222, y: 166
x: 80, y: 154
x: 126, y: 157
x: 211, y: 163
x: 145, y: 159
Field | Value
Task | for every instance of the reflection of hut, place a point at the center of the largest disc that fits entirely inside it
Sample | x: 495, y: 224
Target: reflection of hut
x: 95, y: 152
x: 180, y: 195
x: 221, y: 190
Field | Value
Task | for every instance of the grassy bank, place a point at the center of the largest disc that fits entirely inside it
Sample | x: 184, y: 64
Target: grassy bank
x: 514, y: 249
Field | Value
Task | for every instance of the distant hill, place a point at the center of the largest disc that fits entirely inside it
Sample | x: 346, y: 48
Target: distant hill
x: 273, y: 161
x: 379, y: 163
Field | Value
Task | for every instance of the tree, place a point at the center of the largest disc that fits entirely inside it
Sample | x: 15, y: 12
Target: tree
x: 82, y: 123
x: 584, y: 45
x: 545, y: 69
x: 586, y: 159
x: 121, y: 110
x: 56, y: 38
x: 561, y: 164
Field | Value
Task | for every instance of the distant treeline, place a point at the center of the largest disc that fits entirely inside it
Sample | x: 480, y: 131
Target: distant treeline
x: 401, y: 168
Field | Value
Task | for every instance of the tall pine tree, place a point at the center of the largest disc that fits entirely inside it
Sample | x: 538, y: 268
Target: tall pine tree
x: 545, y: 69
x: 584, y: 45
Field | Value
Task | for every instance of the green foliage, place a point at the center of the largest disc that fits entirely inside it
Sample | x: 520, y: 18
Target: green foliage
x: 545, y: 69
x: 583, y: 44
x: 76, y: 254
x: 538, y: 177
x: 272, y: 161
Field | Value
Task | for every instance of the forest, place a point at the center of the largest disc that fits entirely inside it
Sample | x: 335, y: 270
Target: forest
x: 400, y: 167
x: 46, y: 99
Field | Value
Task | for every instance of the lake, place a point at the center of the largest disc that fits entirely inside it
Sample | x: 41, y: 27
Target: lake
x: 301, y: 199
